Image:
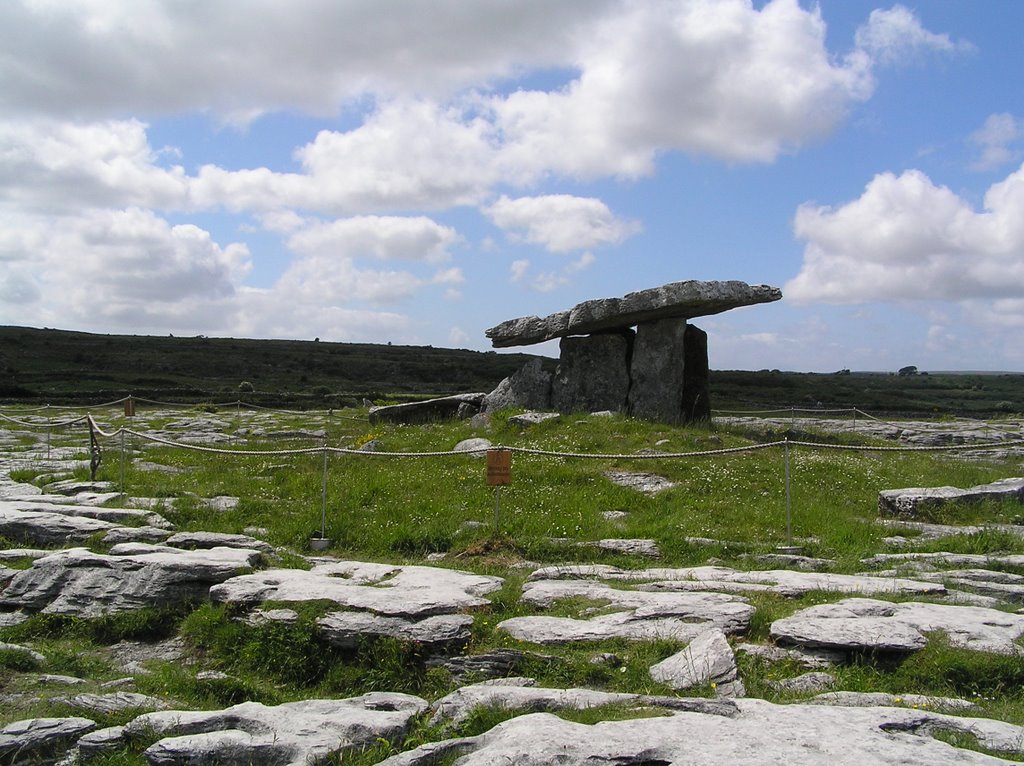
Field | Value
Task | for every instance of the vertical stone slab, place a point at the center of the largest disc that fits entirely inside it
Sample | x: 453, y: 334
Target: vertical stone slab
x: 696, y: 390
x: 657, y: 371
x: 593, y: 373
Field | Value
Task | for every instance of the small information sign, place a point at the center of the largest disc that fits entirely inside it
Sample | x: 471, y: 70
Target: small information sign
x: 499, y: 467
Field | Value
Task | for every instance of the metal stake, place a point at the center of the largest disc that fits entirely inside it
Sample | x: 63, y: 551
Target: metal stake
x: 497, y: 509
x: 122, y: 463
x: 323, y: 500
x: 789, y: 500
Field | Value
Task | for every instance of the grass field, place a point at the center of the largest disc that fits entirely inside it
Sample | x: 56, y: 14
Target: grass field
x: 402, y: 509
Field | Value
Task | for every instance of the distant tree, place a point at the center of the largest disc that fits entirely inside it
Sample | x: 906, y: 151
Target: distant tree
x: 908, y: 370
x: 245, y: 387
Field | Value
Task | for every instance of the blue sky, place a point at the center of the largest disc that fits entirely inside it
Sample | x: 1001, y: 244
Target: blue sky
x: 417, y: 172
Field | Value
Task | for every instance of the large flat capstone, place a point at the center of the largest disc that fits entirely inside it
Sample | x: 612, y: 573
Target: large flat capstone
x: 684, y: 300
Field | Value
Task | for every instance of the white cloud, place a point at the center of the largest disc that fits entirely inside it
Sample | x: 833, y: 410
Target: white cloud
x: 905, y: 238
x: 62, y: 167
x: 518, y: 269
x: 560, y: 222
x: 457, y: 337
x: 995, y: 141
x: 80, y: 58
x: 895, y: 35
x: 381, y: 237
x: 106, y: 267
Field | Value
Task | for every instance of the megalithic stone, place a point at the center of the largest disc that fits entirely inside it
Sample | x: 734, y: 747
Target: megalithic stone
x: 593, y: 373
x: 657, y: 372
x: 680, y: 300
x: 696, y: 388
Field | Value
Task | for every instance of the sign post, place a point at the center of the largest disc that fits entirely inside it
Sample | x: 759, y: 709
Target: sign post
x: 499, y: 474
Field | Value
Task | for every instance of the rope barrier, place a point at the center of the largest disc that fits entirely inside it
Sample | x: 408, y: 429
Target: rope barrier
x: 30, y: 424
x: 553, y: 453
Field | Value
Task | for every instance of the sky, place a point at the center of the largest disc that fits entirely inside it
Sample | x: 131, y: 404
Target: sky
x: 416, y: 171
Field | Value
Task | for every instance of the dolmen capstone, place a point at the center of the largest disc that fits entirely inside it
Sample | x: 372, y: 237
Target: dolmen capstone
x: 657, y: 371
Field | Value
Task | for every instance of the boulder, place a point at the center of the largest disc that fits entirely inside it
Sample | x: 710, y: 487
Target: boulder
x: 911, y: 502
x: 476, y: 446
x: 78, y: 582
x: 443, y: 408
x: 40, y: 741
x: 529, y: 388
x: 527, y: 419
x: 866, y: 625
x: 295, y: 733
x: 675, y: 300
x: 592, y: 373
x: 707, y: 660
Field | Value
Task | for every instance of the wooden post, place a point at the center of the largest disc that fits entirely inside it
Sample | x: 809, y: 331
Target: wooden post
x: 499, y: 474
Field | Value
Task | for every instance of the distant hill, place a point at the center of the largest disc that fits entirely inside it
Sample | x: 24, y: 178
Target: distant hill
x: 58, y: 366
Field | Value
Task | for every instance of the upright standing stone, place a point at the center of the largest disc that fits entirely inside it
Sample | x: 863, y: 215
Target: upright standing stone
x: 593, y: 373
x: 658, y: 371
x: 696, y: 389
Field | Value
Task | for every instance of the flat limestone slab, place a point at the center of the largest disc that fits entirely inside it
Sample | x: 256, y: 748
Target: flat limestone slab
x: 685, y: 300
x: 408, y: 591
x: 295, y: 733
x: 707, y: 660
x: 910, y: 502
x: 78, y: 582
x: 460, y: 704
x: 760, y: 733
x: 861, y: 624
x: 785, y: 582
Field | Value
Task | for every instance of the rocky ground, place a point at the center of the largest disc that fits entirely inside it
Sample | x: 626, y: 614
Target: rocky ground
x: 889, y: 611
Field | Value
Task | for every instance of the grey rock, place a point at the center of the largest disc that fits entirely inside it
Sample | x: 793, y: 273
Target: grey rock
x: 404, y: 591
x: 674, y: 300
x: 529, y: 388
x: 116, y: 702
x: 498, y: 663
x: 696, y: 387
x: 77, y: 582
x: 945, y: 558
x: 46, y: 528
x: 374, y: 445
x: 477, y: 447
x: 144, y: 534
x: 910, y: 502
x: 100, y: 742
x: 857, y: 624
x: 40, y: 741
x: 707, y: 660
x: 648, y: 483
x: 760, y: 732
x: 627, y: 546
x: 456, y: 707
x: 435, y: 634
x: 785, y: 582
x: 209, y: 540
x: 295, y: 733
x: 592, y: 373
x: 220, y: 503
x: 657, y: 371
x: 481, y: 421
x: 527, y: 419
x: 881, y: 699
x: 14, y: 554
x: 809, y: 657
x: 19, y: 649
x: 59, y: 680
x: 133, y: 656
x: 678, y: 616
x: 806, y: 683
x: 443, y: 408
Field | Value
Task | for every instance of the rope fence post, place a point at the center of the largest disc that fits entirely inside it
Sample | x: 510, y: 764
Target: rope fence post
x: 123, y: 493
x: 48, y: 422
x: 499, y: 473
x: 95, y: 452
x: 789, y: 498
x: 322, y: 543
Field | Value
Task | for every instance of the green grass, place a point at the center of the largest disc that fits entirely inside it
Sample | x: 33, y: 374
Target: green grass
x: 401, y: 509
